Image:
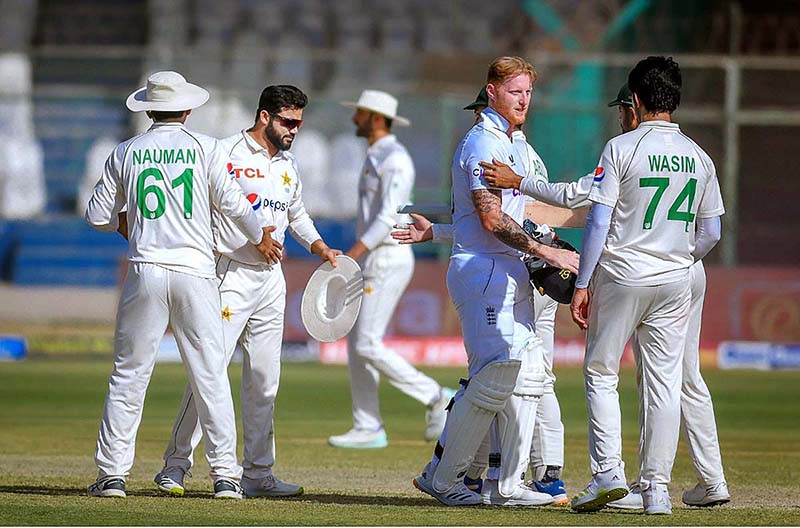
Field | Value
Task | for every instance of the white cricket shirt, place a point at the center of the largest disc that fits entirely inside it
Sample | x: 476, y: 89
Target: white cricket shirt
x: 658, y: 181
x: 169, y: 177
x: 484, y: 142
x: 532, y: 165
x: 273, y: 189
x: 386, y: 182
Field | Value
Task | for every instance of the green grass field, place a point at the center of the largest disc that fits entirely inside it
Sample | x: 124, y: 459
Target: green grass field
x: 51, y: 409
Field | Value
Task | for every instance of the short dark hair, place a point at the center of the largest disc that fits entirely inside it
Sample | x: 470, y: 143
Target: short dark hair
x: 657, y: 82
x: 276, y: 97
x: 161, y: 116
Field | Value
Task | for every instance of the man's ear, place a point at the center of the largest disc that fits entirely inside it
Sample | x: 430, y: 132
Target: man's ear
x: 491, y: 91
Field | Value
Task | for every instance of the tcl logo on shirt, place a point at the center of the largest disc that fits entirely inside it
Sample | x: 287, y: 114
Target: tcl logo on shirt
x: 247, y: 172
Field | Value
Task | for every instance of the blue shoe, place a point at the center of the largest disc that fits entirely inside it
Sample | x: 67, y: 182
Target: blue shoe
x: 554, y: 488
x: 475, y: 485
x: 360, y: 439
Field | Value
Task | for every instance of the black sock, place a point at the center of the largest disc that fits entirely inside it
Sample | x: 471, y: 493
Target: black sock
x: 551, y: 474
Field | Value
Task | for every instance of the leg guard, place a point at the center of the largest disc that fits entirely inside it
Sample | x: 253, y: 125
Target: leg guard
x: 514, y: 426
x: 469, y: 419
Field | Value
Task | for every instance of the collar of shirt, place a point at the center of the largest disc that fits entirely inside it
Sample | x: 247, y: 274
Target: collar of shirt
x: 255, y: 146
x: 163, y: 124
x: 518, y: 135
x: 380, y: 144
x: 658, y: 123
x: 494, y: 120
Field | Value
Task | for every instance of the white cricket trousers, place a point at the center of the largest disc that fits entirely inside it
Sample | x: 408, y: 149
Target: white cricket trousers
x: 253, y: 300
x: 152, y: 299
x: 387, y: 271
x: 492, y: 296
x: 697, y: 409
x: 658, y: 316
x: 547, y: 447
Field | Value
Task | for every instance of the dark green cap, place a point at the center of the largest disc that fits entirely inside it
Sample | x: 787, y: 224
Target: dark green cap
x: 481, y: 100
x: 624, y: 97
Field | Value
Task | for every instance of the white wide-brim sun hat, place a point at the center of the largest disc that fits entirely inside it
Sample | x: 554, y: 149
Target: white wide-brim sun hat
x: 332, y: 299
x: 167, y: 91
x: 380, y: 103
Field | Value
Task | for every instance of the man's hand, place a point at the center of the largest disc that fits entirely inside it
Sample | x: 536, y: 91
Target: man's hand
x: 498, y: 174
x: 560, y: 258
x: 419, y: 231
x: 580, y: 307
x: 319, y: 247
x: 357, y: 251
x: 270, y: 248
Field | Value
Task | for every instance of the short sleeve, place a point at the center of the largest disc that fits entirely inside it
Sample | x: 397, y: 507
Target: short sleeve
x: 605, y: 184
x: 711, y: 200
x: 481, y: 147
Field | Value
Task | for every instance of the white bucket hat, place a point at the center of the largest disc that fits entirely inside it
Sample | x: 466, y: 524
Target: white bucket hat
x: 332, y: 299
x: 380, y: 103
x: 166, y: 91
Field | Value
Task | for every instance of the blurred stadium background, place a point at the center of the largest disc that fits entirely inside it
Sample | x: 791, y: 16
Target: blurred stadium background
x: 66, y: 67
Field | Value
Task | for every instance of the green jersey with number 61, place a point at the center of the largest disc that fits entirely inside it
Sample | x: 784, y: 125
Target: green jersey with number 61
x: 168, y: 178
x: 659, y: 182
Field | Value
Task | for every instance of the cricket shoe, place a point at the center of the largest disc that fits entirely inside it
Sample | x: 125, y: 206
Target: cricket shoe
x: 270, y: 486
x: 108, y: 487
x: 436, y: 414
x: 602, y: 489
x: 704, y: 496
x: 360, y: 439
x: 225, y: 488
x: 631, y: 501
x: 458, y: 495
x: 554, y: 488
x: 656, y: 500
x: 170, y: 481
x: 475, y: 485
x: 521, y: 496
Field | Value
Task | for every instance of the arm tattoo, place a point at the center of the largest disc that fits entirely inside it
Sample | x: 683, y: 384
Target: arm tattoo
x: 506, y: 230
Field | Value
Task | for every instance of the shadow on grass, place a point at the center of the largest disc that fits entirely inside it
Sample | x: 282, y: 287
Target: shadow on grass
x: 315, y: 498
x: 319, y: 498
x: 365, y: 500
x: 69, y: 492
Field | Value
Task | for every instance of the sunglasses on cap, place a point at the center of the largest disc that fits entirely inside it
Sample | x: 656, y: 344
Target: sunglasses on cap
x: 288, y: 122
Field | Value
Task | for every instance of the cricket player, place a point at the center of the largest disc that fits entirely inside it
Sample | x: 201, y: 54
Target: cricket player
x: 386, y: 182
x: 489, y: 286
x: 650, y: 187
x: 697, y: 409
x: 547, y: 446
x: 252, y: 292
x: 168, y: 178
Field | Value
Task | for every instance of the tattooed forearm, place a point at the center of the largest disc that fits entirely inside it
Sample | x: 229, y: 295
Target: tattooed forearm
x: 489, y: 207
x: 511, y: 234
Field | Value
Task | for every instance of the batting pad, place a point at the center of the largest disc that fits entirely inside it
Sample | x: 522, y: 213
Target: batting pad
x: 469, y: 419
x: 513, y: 430
x: 512, y: 437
